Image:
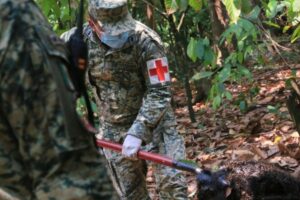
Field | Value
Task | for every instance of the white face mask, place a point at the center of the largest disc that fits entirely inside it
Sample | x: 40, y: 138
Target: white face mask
x: 113, y: 41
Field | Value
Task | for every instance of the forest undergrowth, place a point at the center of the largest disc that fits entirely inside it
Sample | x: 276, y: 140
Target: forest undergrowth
x: 264, y: 131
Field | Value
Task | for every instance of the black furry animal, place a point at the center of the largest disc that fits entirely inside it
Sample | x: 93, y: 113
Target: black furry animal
x: 248, y: 181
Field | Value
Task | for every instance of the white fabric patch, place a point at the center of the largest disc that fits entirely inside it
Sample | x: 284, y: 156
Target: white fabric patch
x: 158, y: 70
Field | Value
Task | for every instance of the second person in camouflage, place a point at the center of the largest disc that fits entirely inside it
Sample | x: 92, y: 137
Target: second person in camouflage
x: 45, y: 151
x: 129, y: 72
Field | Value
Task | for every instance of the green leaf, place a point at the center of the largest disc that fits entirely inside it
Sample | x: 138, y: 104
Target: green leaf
x: 191, y: 50
x: 217, y: 101
x: 243, y: 106
x: 272, y: 109
x: 221, y: 88
x: 244, y: 71
x: 46, y: 6
x: 224, y: 74
x: 228, y: 95
x: 248, y: 51
x: 199, y: 49
x: 240, y: 57
x: 196, y: 4
x: 286, y: 28
x: 296, y: 6
x: 246, y: 6
x: 233, y: 11
x: 56, y: 10
x: 209, y: 56
x: 295, y: 35
x: 201, y: 75
x: 182, y: 4
x: 272, y: 9
x: 65, y: 13
x: 206, y: 41
x: 55, y: 27
x: 171, y: 6
x: 253, y: 15
x: 241, y: 44
x: 94, y: 107
x: 272, y: 24
x: 246, y: 25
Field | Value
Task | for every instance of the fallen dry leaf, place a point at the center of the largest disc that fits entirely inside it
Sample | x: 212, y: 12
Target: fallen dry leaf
x: 241, y: 155
x: 259, y: 152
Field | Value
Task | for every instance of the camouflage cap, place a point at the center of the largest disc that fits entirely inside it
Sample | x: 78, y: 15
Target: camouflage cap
x: 112, y: 15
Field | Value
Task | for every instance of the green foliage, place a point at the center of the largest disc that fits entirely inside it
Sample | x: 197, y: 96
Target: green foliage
x: 233, y: 9
x: 287, y: 9
x: 296, y: 34
x: 171, y: 6
x: 276, y: 110
x: 201, y: 49
x: 174, y: 5
x: 193, y: 25
x: 60, y: 13
x: 202, y: 75
x: 196, y: 4
x: 232, y: 68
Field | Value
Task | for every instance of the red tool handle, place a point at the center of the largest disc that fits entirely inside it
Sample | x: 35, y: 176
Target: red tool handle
x: 154, y: 157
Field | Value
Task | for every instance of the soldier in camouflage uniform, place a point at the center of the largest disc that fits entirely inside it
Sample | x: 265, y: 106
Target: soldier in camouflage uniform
x: 129, y: 72
x: 45, y: 151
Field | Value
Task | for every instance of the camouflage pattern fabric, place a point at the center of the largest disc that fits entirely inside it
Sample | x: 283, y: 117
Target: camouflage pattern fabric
x: 45, y: 152
x: 112, y: 16
x: 130, y: 104
x: 101, y: 10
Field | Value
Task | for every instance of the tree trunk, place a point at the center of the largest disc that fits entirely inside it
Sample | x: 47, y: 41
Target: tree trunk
x: 219, y: 22
x: 293, y: 105
x: 150, y: 16
x: 180, y: 50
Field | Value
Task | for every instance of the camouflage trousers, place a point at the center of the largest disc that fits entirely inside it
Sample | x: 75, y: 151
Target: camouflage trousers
x: 129, y: 177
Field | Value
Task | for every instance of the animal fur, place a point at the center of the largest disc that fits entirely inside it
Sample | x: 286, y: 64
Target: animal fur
x: 248, y: 181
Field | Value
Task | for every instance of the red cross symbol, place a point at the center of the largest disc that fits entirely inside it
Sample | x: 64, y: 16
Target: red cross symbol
x: 159, y: 70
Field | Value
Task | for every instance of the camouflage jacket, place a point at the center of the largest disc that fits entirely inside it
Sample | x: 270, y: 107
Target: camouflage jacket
x: 34, y: 59
x: 132, y: 83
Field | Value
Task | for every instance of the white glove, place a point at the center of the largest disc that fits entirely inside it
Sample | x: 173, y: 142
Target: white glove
x: 130, y: 147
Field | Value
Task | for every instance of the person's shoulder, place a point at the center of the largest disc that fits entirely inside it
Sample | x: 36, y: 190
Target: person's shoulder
x: 87, y: 33
x: 66, y: 36
x: 146, y: 32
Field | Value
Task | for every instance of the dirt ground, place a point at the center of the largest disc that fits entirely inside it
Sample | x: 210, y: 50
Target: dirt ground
x: 264, y: 132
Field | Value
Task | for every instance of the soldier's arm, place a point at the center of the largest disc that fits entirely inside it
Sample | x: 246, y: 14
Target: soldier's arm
x: 157, y: 98
x: 65, y: 36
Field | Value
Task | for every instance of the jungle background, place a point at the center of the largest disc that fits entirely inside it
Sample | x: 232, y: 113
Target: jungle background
x: 235, y: 67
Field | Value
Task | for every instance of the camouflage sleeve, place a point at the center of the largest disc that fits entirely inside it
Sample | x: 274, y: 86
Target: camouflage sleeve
x: 65, y: 36
x: 158, y: 96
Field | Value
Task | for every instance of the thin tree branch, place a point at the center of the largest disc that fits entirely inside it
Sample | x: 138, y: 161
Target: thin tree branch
x: 156, y: 9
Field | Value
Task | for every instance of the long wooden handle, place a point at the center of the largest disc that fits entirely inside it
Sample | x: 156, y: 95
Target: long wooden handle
x: 154, y: 157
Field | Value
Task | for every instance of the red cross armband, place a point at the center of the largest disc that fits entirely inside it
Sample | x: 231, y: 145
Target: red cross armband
x: 158, y: 71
